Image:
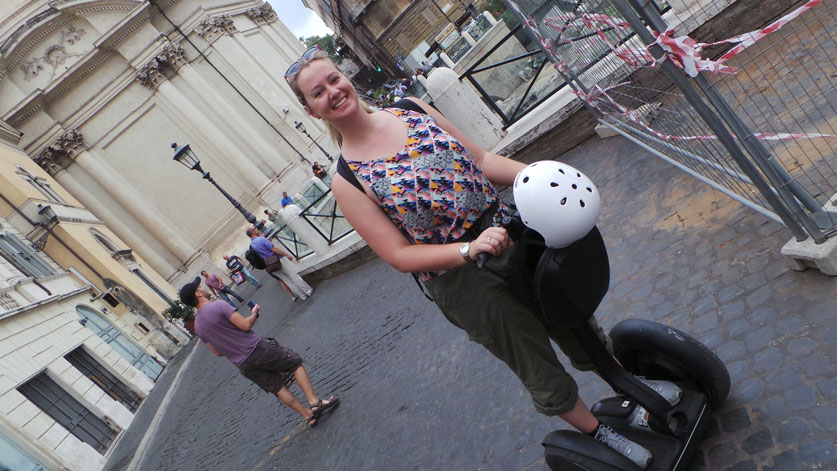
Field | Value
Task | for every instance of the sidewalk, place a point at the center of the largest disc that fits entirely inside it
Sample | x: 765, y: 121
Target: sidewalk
x: 131, y: 443
x: 416, y: 394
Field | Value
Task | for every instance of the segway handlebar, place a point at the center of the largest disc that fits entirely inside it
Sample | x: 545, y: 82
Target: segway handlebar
x: 514, y: 225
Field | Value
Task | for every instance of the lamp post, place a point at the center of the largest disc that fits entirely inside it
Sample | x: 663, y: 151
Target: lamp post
x: 301, y: 128
x: 187, y: 157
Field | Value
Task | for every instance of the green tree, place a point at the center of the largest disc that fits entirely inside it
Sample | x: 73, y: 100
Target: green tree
x: 178, y: 310
x: 326, y: 43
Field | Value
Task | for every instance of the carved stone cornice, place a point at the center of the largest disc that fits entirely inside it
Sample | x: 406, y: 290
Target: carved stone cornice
x: 61, y: 153
x: 215, y: 26
x: 167, y: 61
x: 262, y: 15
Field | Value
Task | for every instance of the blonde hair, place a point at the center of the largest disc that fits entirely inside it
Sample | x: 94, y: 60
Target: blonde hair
x: 291, y: 79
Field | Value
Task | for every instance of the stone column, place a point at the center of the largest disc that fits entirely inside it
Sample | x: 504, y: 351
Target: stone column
x: 57, y: 158
x: 266, y: 153
x: 264, y: 16
x: 177, y: 104
x: 136, y: 204
x: 447, y: 60
x: 460, y: 104
x: 210, y: 29
x: 269, y: 86
x: 303, y: 230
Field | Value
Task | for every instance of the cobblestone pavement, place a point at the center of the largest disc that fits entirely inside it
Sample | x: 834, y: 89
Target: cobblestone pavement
x: 416, y: 395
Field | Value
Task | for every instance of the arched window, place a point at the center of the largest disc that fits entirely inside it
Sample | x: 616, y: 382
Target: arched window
x: 40, y: 184
x: 23, y: 257
x: 108, y: 244
x: 121, y: 343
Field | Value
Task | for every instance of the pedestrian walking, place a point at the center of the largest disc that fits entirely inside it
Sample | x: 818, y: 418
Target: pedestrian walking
x: 422, y: 195
x: 286, y: 200
x: 264, y: 361
x: 235, y: 265
x: 219, y: 289
x: 290, y: 280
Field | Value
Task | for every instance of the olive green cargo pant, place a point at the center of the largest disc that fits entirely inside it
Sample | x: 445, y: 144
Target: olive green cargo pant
x: 480, y: 303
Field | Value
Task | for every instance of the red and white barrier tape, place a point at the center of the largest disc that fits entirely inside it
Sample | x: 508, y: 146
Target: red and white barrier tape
x: 683, y: 51
x: 598, y: 97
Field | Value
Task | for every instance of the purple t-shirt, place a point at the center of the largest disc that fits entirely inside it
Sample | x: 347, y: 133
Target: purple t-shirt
x: 214, y: 282
x: 262, y: 246
x: 213, y: 326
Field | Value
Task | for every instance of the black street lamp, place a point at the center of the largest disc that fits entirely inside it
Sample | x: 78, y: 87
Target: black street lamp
x: 301, y: 128
x: 187, y: 157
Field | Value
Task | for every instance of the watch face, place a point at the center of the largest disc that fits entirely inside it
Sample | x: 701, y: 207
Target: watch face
x: 464, y: 248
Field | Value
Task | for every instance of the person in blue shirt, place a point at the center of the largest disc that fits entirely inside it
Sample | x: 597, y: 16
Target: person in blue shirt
x: 286, y: 200
x: 291, y: 282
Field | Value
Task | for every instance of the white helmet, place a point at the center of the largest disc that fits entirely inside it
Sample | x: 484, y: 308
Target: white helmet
x: 556, y: 200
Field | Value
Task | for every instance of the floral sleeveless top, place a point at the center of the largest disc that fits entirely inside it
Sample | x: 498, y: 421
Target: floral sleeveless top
x: 433, y: 189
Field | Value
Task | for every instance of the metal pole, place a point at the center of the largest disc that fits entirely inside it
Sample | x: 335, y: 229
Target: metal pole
x: 319, y: 146
x: 247, y: 215
x: 776, y: 174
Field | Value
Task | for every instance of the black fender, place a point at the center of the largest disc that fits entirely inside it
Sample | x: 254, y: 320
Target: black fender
x: 569, y: 450
x: 659, y: 351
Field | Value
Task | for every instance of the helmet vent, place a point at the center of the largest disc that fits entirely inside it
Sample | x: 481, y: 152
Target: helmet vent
x: 563, y: 201
x: 589, y: 190
x: 581, y: 202
x: 575, y: 187
x: 525, y: 179
x: 578, y: 175
x: 562, y: 171
x: 553, y: 184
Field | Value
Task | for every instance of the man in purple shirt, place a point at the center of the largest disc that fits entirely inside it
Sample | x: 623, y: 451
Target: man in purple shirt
x: 261, y: 360
x: 220, y: 289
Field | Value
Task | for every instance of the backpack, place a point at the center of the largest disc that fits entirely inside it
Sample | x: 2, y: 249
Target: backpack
x: 254, y: 258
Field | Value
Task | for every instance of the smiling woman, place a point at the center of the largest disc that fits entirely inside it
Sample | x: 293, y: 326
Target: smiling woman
x: 300, y: 20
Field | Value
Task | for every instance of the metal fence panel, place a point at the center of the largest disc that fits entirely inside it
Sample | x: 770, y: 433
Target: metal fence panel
x: 764, y: 134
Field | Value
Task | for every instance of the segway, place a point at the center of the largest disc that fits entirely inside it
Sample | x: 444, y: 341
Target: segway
x: 570, y: 279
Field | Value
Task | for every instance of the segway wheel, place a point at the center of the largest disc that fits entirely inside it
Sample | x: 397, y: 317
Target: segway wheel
x: 559, y: 459
x: 566, y: 450
x: 658, y: 351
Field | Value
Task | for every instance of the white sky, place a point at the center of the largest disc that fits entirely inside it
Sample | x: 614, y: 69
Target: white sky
x: 300, y: 20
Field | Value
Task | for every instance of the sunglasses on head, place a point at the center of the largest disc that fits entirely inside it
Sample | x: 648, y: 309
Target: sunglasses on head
x: 294, y: 68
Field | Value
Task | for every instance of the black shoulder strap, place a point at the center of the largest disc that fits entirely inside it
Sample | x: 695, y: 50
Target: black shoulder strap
x: 343, y: 167
x: 406, y: 104
x: 344, y: 171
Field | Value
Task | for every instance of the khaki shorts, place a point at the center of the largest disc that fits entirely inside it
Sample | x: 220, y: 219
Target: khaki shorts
x: 270, y: 366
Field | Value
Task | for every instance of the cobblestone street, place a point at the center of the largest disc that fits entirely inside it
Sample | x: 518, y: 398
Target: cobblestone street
x: 417, y: 395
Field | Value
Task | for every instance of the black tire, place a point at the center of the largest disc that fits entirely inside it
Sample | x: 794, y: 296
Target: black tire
x: 658, y: 351
x: 566, y: 450
x: 559, y: 459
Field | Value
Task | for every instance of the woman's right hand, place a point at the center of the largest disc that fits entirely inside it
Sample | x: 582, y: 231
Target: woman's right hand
x: 494, y: 240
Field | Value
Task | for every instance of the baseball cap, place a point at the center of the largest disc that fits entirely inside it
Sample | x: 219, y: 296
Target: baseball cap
x: 187, y: 292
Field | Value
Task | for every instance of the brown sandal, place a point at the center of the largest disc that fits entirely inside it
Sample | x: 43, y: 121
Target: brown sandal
x: 319, y: 408
x: 313, y: 421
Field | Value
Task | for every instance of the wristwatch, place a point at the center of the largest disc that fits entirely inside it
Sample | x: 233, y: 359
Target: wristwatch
x: 464, y: 250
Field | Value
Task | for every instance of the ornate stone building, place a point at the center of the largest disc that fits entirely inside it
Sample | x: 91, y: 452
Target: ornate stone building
x: 379, y: 33
x: 82, y: 340
x: 100, y: 89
